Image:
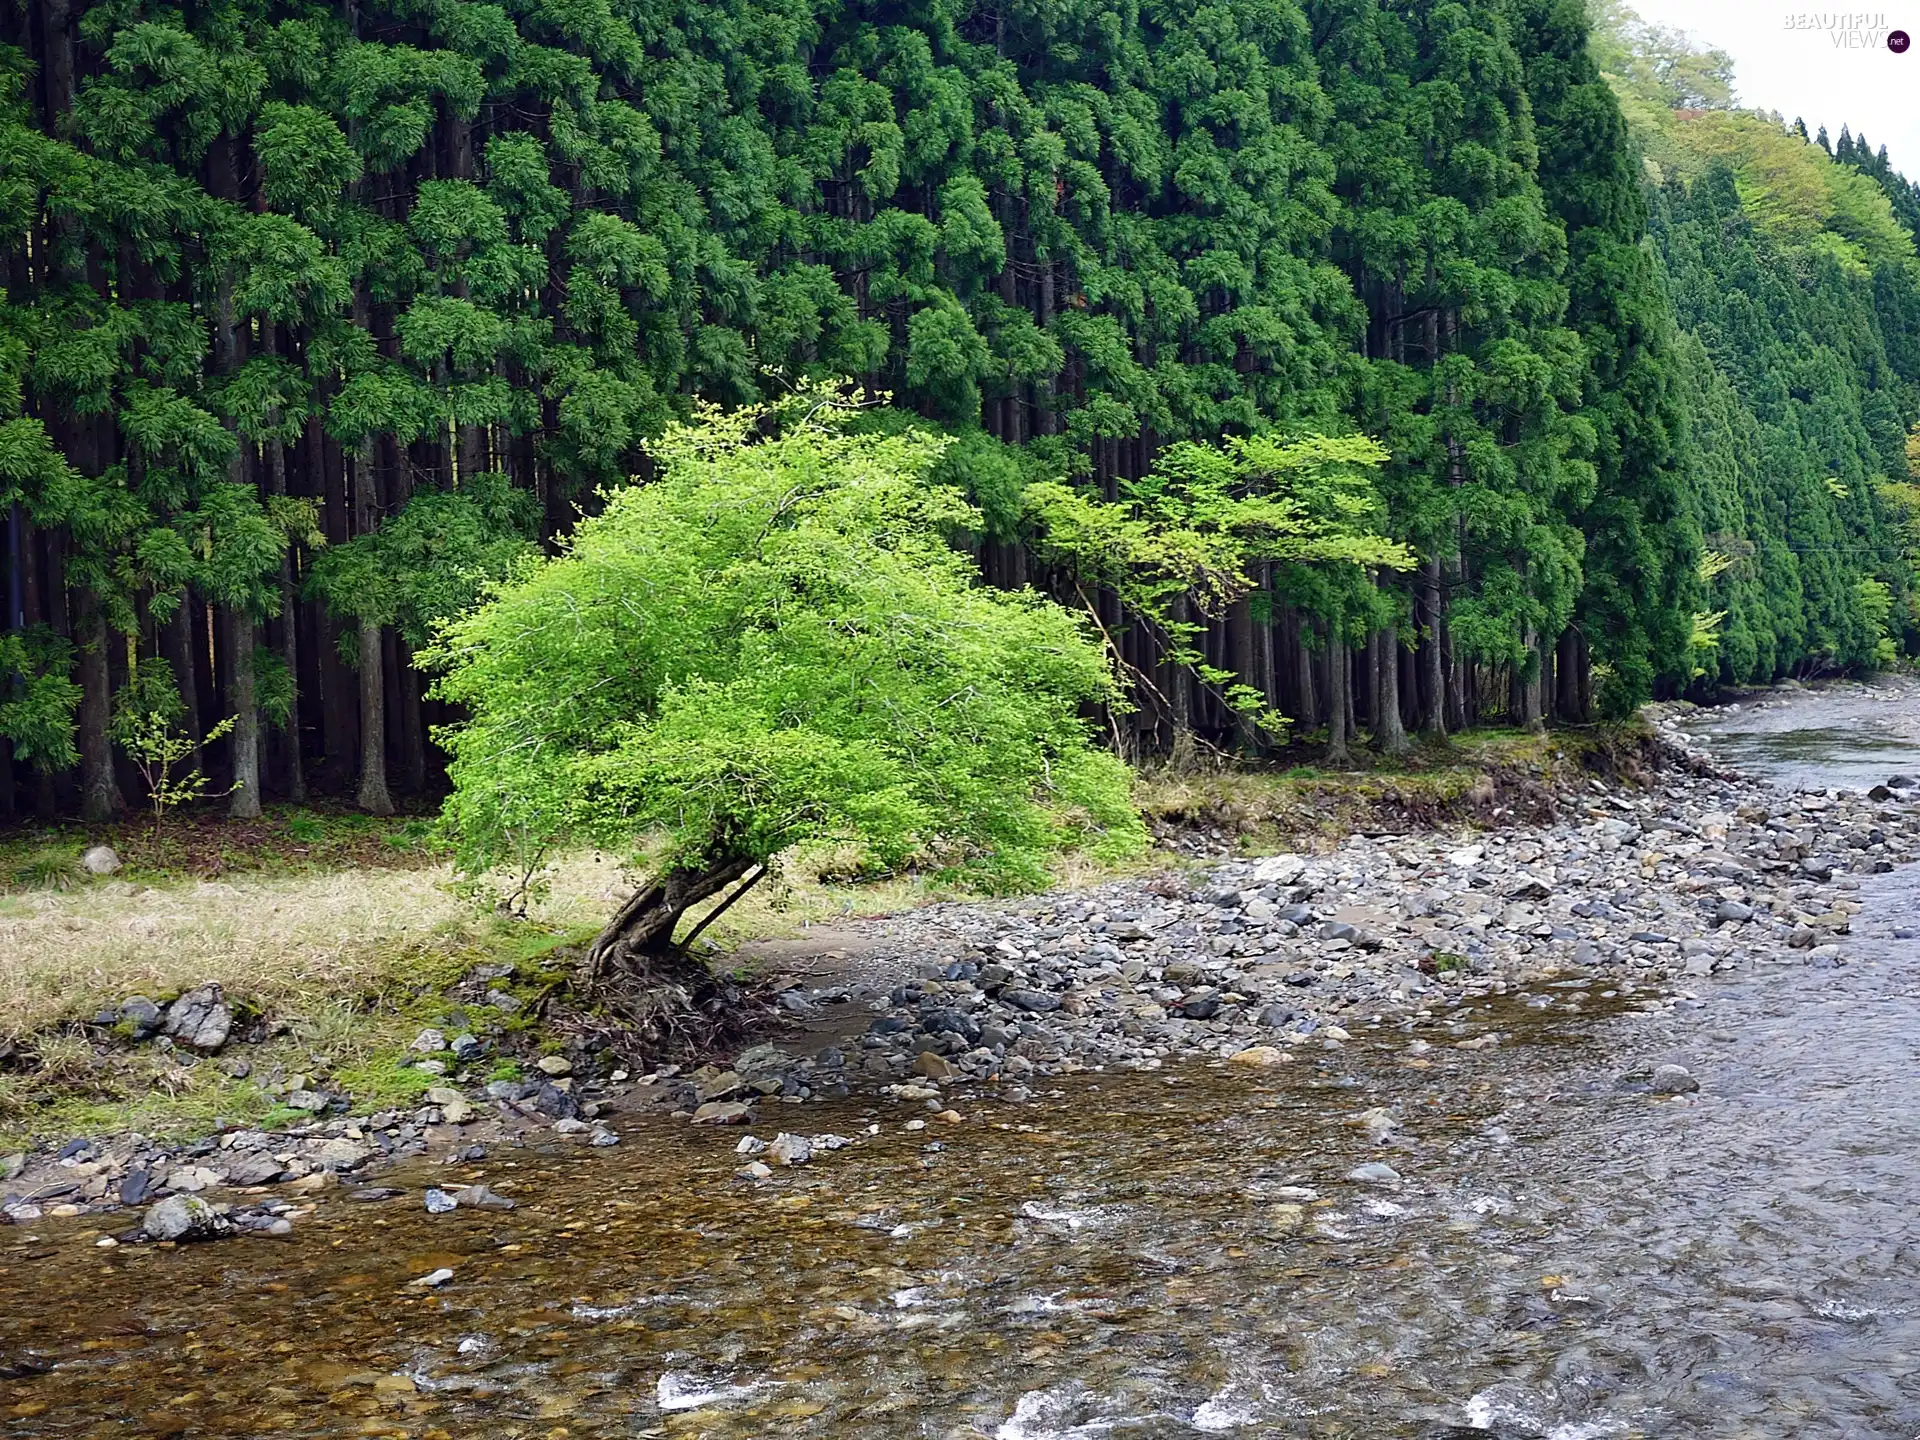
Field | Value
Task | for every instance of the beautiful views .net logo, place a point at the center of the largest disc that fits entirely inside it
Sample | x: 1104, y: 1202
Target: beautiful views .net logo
x: 1852, y: 29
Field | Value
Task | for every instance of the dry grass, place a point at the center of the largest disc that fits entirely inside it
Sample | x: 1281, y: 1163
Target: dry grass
x: 298, y: 945
x: 284, y: 943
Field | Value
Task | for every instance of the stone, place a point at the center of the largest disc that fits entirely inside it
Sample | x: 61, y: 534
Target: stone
x: 934, y: 1067
x: 369, y: 1193
x: 554, y: 1065
x: 790, y: 1149
x: 439, y: 1202
x: 200, y: 1019
x: 182, y: 1217
x: 556, y: 1104
x: 336, y: 1155
x: 1259, y: 1057
x: 723, y: 1112
x: 311, y: 1101
x: 467, y: 1049
x: 1280, y: 870
x: 1374, y: 1172
x: 141, y: 1016
x: 479, y: 1197
x: 1673, y: 1080
x: 193, y: 1178
x: 602, y: 1138
x: 100, y: 860
x: 1732, y: 912
x: 12, y: 1165
x: 255, y: 1169
x: 433, y: 1280
x: 1036, y: 1002
x: 429, y: 1042
x: 137, y: 1185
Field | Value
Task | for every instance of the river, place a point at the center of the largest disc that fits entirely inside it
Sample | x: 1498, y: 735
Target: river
x: 1147, y: 1255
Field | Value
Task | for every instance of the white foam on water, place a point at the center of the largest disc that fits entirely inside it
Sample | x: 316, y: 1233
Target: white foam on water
x: 1225, y: 1411
x: 584, y: 1311
x: 1053, y: 1215
x: 1049, y: 1415
x: 690, y: 1392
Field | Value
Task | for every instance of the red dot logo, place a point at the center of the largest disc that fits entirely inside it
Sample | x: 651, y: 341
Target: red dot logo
x: 1898, y: 41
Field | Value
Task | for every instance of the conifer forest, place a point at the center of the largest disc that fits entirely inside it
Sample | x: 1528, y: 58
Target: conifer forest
x: 319, y: 319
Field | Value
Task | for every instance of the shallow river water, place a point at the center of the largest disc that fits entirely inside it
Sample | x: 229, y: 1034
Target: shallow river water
x: 1149, y: 1255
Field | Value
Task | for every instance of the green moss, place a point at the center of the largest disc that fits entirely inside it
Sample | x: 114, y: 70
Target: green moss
x: 383, y: 1082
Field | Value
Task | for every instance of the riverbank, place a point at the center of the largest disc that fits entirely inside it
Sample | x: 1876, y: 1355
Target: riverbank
x: 953, y: 1007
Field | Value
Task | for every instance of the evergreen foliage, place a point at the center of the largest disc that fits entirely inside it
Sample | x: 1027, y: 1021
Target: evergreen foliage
x: 319, y: 318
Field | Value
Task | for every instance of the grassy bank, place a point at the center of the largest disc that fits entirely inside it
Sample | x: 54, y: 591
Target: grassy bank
x: 339, y: 936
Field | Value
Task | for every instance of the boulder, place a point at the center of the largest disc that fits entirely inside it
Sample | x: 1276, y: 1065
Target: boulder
x: 1259, y: 1057
x: 182, y: 1218
x: 790, y: 1149
x: 100, y: 860
x: 200, y: 1019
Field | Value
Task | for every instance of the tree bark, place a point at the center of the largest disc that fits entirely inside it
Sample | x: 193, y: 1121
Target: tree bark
x: 245, y: 804
x: 1240, y: 645
x: 1182, y: 752
x: 100, y: 797
x: 373, y: 796
x: 637, y: 943
x: 289, y: 634
x: 1433, y: 683
x: 1389, y: 733
x: 1337, y: 681
x: 1530, y: 677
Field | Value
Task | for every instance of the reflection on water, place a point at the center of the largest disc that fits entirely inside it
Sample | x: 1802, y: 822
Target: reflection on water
x: 1855, y: 737
x: 1160, y: 1255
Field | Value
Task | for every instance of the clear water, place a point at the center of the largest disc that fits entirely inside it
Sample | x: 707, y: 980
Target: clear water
x: 1160, y: 1255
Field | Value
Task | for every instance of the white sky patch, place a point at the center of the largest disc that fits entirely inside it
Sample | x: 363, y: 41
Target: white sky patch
x: 1802, y: 71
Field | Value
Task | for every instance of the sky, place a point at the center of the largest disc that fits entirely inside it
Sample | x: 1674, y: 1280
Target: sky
x: 1803, y: 72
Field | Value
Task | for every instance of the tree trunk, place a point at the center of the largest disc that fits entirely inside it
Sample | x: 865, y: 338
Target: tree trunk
x: 100, y: 797
x: 637, y: 943
x: 373, y: 796
x: 1433, y: 683
x: 1337, y: 681
x: 245, y: 804
x: 289, y: 635
x: 1388, y: 731
x: 1182, y: 753
x: 1530, y: 677
x: 1240, y: 646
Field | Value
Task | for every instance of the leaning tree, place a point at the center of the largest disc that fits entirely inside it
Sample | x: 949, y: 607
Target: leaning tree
x: 772, y: 642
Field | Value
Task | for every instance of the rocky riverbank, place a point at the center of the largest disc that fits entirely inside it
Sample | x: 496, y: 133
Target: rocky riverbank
x: 1631, y: 897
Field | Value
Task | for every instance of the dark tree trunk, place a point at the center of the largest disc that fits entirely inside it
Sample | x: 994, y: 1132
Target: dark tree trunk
x: 1433, y: 684
x: 637, y: 943
x: 99, y: 792
x: 373, y: 796
x: 245, y: 804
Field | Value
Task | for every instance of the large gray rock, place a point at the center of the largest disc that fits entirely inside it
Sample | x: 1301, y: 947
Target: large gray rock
x: 258, y: 1168
x: 100, y: 860
x: 200, y: 1019
x: 183, y: 1217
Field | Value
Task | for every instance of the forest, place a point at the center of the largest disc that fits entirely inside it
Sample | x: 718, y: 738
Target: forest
x: 320, y: 319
